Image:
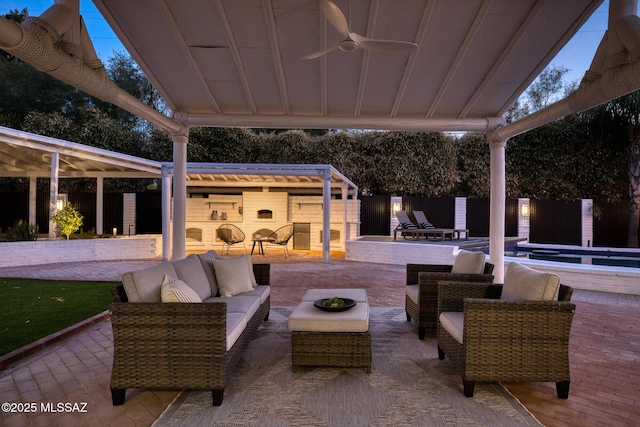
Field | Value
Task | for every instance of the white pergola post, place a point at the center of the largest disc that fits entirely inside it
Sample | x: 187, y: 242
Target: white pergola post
x: 33, y: 192
x: 497, y: 209
x: 345, y: 217
x: 180, y: 141
x: 100, y: 206
x: 326, y: 216
x: 53, y: 190
x: 166, y: 214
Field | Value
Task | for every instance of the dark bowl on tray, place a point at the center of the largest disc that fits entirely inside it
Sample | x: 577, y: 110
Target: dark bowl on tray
x: 348, y: 303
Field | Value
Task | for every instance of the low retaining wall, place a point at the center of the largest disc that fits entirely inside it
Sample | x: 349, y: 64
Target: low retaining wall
x: 622, y: 280
x: 15, y: 254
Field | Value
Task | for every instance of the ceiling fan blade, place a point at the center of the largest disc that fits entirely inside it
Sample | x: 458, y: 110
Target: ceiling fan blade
x: 321, y: 52
x: 387, y: 46
x: 336, y: 17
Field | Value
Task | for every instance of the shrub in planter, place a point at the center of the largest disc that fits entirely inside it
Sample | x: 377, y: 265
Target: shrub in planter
x: 21, y: 231
x: 68, y: 220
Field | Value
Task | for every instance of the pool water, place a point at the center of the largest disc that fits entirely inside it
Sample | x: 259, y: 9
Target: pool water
x: 594, y: 257
x: 594, y: 260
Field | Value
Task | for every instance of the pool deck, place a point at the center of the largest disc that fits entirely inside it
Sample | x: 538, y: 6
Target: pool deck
x: 384, y: 250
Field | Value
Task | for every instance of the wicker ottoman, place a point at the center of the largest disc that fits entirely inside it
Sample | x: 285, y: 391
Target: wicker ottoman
x: 338, y: 339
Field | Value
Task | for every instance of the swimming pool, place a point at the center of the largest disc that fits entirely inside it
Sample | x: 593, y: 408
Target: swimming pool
x: 616, y: 257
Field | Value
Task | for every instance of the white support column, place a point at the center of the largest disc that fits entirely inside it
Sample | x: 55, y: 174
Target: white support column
x: 166, y: 214
x: 344, y: 234
x: 356, y: 203
x: 587, y: 222
x: 33, y: 192
x: 497, y: 211
x: 100, y: 205
x: 395, y: 201
x: 326, y: 217
x: 460, y: 213
x: 129, y: 214
x: 53, y: 190
x: 180, y: 141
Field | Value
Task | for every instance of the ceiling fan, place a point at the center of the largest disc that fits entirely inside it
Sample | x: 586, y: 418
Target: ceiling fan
x: 352, y: 41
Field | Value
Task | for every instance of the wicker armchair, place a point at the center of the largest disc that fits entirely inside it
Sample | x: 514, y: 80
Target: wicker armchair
x: 425, y: 311
x: 519, y: 341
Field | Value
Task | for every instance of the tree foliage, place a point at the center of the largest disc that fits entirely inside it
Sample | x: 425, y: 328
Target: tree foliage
x: 68, y: 220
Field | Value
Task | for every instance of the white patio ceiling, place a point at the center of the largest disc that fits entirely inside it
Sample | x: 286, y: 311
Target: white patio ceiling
x: 238, y: 62
x: 24, y: 154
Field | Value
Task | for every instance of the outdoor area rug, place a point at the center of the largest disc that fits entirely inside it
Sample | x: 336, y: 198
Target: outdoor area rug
x: 408, y: 386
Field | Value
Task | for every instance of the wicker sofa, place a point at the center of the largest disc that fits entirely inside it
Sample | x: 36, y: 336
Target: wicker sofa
x: 498, y: 338
x: 161, y: 345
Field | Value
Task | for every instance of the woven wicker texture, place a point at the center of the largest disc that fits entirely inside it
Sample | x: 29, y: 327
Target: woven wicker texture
x: 518, y: 341
x: 427, y: 276
x: 339, y: 349
x: 177, y: 346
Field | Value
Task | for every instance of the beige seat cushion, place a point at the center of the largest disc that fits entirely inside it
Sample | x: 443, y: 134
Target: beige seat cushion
x: 307, y: 317
x: 468, y: 262
x: 191, y: 272
x: 205, y: 259
x: 524, y: 283
x: 232, y: 275
x: 453, y: 322
x: 144, y: 285
x: 412, y: 291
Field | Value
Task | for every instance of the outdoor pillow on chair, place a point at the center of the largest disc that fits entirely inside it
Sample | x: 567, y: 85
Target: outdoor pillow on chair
x: 524, y: 283
x: 468, y: 262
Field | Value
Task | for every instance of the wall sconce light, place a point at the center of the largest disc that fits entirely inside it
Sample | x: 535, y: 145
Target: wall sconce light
x: 396, y: 208
x: 524, y: 210
x: 61, y: 201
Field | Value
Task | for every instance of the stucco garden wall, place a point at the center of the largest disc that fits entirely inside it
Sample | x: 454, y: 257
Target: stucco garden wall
x: 13, y: 254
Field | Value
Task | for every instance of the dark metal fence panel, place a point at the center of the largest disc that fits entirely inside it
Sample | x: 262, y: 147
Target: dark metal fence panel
x: 556, y: 222
x: 85, y: 203
x: 375, y: 215
x: 439, y: 211
x: 112, y: 213
x: 478, y: 217
x: 478, y: 213
x: 149, y: 213
x: 13, y: 206
x: 42, y: 211
x: 511, y: 218
x: 611, y: 229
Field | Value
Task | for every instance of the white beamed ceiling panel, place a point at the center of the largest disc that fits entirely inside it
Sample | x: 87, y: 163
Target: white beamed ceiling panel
x: 229, y: 57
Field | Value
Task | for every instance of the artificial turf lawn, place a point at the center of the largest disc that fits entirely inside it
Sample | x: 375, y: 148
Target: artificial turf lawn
x: 32, y: 309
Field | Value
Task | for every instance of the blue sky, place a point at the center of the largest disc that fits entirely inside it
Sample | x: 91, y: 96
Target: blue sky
x: 576, y: 56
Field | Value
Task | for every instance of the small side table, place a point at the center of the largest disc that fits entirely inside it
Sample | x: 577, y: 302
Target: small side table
x: 259, y: 241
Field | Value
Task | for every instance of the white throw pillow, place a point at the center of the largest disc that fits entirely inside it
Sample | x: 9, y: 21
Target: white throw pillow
x: 175, y: 290
x: 524, y: 283
x: 468, y: 262
x: 232, y: 276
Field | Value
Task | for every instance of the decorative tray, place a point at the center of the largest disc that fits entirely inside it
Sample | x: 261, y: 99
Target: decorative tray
x: 348, y: 303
